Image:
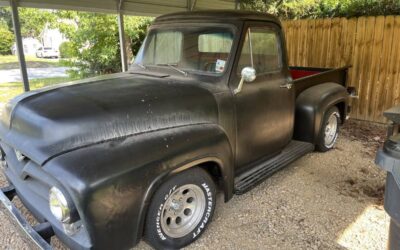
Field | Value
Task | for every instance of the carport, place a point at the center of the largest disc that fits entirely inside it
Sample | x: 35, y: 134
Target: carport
x: 118, y: 7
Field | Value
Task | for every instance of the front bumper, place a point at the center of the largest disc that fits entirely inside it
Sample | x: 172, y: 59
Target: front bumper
x: 50, y: 55
x: 37, y: 235
x: 31, y: 184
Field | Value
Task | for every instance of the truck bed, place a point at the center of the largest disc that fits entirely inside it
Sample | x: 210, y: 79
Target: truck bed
x: 305, y: 77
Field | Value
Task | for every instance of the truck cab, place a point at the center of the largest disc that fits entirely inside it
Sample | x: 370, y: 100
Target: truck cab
x: 209, y: 104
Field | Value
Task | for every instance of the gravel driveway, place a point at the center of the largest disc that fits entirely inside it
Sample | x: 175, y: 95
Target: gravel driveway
x: 322, y: 201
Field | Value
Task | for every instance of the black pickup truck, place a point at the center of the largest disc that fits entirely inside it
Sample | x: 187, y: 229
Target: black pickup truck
x: 209, y: 104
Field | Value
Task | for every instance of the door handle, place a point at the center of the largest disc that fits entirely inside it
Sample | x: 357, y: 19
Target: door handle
x: 287, y: 85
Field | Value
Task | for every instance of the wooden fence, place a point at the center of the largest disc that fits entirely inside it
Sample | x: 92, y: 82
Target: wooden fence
x: 370, y: 44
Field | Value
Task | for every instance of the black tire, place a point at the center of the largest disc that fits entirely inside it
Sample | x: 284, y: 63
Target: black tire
x: 154, y: 233
x: 322, y: 146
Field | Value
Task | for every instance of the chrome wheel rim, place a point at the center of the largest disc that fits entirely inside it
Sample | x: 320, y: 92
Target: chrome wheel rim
x: 183, y: 211
x: 331, y: 130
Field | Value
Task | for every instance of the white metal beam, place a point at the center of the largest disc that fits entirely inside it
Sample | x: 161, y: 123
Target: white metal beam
x: 121, y: 31
x: 19, y: 44
x: 130, y: 7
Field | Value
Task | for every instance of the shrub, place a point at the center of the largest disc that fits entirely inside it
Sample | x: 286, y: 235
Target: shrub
x: 67, y: 50
x: 6, y: 41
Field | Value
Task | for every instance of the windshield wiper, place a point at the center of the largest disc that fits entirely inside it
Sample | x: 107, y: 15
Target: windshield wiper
x: 173, y: 66
x: 140, y: 65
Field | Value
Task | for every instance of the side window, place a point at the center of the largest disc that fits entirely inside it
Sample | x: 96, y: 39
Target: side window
x: 261, y: 50
x: 214, y: 50
x: 215, y: 42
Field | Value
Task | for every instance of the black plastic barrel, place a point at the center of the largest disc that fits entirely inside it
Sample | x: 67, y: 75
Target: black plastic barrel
x: 388, y: 158
x: 392, y: 207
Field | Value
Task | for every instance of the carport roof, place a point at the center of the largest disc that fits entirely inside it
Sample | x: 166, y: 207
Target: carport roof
x: 127, y: 7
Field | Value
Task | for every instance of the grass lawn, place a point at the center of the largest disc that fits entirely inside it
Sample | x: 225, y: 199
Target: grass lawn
x: 11, y: 62
x: 12, y: 89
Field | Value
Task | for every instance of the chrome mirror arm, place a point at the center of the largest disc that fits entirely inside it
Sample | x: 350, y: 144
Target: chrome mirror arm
x: 239, y: 87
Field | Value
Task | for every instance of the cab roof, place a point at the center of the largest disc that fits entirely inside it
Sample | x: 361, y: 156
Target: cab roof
x: 221, y: 15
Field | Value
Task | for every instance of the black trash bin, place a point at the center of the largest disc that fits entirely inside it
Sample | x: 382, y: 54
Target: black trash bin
x: 388, y: 158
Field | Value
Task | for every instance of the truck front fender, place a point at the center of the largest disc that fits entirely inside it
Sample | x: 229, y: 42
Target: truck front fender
x: 112, y: 183
x: 311, y: 105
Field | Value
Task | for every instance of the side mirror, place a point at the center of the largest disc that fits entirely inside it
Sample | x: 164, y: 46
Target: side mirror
x: 248, y: 75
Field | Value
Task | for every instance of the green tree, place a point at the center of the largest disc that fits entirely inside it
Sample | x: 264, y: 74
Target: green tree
x: 5, y: 17
x: 136, y: 30
x: 295, y: 9
x: 7, y: 39
x: 94, y: 40
x: 350, y: 8
x: 33, y: 21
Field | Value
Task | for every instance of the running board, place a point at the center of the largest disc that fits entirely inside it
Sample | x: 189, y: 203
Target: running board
x: 257, y: 174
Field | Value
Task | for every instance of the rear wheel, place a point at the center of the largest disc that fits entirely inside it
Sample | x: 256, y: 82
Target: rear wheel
x: 329, y: 130
x: 180, y: 210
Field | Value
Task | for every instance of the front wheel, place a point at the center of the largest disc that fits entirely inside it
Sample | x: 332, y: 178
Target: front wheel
x: 180, y: 210
x: 329, y: 130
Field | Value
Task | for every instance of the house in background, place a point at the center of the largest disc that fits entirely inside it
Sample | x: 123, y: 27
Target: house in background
x: 49, y: 38
x: 30, y: 45
x: 52, y: 38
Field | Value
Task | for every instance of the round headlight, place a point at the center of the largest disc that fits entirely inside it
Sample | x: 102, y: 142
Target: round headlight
x: 59, y: 205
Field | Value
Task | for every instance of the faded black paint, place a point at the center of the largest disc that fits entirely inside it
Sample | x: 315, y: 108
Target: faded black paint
x: 110, y: 141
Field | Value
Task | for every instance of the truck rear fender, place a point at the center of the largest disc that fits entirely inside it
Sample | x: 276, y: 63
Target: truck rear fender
x: 311, y: 105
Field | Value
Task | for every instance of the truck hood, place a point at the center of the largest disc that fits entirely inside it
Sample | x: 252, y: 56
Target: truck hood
x: 45, y: 123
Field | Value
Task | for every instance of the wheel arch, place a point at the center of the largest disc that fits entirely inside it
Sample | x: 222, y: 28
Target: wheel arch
x: 211, y: 164
x: 311, y: 106
x: 214, y: 167
x: 342, y: 107
x: 211, y: 151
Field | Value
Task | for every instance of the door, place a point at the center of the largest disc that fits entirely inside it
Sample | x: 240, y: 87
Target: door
x: 264, y: 107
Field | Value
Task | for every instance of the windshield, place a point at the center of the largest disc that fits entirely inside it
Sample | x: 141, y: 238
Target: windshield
x: 196, y: 49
